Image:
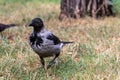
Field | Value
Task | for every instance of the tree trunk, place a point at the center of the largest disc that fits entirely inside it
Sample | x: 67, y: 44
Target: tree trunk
x: 79, y: 8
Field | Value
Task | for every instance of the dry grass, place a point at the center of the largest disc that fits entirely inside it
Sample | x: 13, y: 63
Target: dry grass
x: 94, y: 55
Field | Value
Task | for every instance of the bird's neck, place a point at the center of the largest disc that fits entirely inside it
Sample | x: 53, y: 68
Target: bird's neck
x: 38, y: 29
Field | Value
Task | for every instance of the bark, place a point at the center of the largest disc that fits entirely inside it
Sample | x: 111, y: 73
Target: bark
x: 79, y: 8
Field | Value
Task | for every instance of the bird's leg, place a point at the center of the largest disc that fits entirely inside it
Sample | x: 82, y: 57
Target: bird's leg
x: 52, y: 61
x: 1, y: 34
x: 42, y: 61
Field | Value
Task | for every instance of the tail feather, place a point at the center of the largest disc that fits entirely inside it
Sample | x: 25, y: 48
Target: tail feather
x: 12, y: 25
x: 66, y: 42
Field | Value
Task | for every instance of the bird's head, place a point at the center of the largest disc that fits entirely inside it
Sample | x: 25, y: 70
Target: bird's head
x: 37, y: 24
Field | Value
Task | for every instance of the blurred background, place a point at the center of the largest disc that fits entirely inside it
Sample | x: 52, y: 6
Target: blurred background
x: 95, y: 55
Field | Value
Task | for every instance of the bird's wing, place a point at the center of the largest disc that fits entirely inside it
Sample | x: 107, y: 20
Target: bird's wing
x: 34, y: 38
x: 53, y: 38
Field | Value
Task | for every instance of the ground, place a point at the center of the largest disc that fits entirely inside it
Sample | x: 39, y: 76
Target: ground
x: 94, y: 55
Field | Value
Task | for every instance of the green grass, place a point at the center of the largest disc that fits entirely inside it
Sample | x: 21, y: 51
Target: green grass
x: 116, y: 8
x: 93, y: 56
x: 25, y: 1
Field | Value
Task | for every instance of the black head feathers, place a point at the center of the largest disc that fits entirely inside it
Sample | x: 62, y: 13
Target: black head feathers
x: 37, y: 23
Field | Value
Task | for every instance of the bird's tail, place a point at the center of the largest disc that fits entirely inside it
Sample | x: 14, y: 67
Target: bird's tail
x: 12, y: 25
x: 66, y: 42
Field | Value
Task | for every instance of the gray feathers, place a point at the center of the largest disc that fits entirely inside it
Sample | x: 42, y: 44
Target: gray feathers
x: 42, y: 45
x: 43, y: 42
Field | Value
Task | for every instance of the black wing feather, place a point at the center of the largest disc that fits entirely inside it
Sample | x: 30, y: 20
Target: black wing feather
x: 35, y: 38
x: 54, y: 38
x: 32, y: 39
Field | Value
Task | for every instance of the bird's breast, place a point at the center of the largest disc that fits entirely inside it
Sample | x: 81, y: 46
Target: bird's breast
x: 46, y: 50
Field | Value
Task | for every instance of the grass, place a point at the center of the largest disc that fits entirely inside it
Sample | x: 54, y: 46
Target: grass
x: 94, y: 55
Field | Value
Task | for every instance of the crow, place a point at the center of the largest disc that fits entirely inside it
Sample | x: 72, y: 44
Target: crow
x: 44, y: 43
x: 5, y: 26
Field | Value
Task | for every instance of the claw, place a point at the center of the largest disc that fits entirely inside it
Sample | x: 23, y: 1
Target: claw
x: 50, y: 64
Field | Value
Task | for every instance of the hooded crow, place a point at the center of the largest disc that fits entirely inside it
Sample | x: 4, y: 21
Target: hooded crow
x: 5, y: 26
x: 44, y: 43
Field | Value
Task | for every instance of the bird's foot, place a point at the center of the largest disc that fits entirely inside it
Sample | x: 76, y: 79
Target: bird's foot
x: 50, y: 64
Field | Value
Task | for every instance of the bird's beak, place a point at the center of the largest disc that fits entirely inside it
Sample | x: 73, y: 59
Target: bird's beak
x: 30, y: 24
